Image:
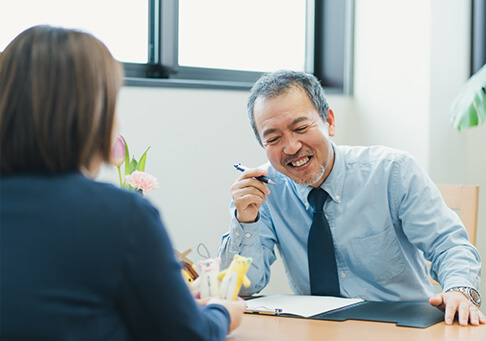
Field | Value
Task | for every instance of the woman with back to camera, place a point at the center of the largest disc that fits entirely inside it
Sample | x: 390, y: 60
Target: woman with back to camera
x: 81, y: 260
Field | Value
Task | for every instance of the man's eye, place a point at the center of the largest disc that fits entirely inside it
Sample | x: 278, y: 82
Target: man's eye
x: 273, y: 140
x: 301, y: 129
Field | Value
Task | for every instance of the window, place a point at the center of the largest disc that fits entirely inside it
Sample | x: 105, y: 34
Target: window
x: 106, y: 19
x: 245, y: 38
x: 206, y: 43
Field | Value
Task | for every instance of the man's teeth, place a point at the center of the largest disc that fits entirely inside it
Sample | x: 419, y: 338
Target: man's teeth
x: 300, y: 162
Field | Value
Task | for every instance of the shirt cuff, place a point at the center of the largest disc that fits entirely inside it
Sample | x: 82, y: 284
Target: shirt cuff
x: 245, y: 233
x: 458, y: 282
x: 222, y: 313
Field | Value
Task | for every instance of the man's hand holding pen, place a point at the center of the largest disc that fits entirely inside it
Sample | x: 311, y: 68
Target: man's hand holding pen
x: 249, y: 194
x: 263, y: 178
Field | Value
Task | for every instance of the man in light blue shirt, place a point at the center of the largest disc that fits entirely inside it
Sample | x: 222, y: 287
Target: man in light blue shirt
x: 385, y: 214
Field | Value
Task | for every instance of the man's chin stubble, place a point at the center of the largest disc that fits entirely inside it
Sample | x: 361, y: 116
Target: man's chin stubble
x: 313, y: 180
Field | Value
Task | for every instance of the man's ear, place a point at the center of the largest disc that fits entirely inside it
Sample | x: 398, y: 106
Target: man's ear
x: 331, y: 123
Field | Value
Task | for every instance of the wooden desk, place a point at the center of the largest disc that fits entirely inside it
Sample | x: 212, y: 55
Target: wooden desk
x: 262, y: 327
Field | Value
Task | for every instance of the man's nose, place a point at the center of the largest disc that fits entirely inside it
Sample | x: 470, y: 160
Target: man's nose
x: 292, y: 145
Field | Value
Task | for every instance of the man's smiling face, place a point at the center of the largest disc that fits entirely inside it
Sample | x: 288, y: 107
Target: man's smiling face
x: 295, y: 137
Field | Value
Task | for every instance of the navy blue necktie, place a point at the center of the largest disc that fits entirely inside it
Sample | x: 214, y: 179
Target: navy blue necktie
x: 320, y: 250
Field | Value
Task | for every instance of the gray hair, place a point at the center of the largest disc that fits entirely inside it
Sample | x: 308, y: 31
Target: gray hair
x: 277, y: 83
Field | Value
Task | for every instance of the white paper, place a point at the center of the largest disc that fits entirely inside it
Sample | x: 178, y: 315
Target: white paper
x: 301, y: 305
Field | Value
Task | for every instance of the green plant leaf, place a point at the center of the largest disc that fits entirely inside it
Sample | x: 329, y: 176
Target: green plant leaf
x: 132, y: 166
x: 141, y: 163
x: 127, y: 157
x: 469, y: 107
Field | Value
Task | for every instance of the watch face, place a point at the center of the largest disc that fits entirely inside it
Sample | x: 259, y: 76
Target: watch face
x: 474, y: 295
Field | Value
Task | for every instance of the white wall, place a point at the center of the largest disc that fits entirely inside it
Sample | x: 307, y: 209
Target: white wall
x: 411, y: 58
x: 391, y: 83
x: 195, y: 136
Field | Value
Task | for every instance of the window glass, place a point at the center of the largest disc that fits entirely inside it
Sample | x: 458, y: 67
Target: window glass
x: 121, y: 24
x: 250, y: 35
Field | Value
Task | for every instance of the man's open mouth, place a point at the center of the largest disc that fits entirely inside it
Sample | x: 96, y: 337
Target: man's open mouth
x: 300, y: 162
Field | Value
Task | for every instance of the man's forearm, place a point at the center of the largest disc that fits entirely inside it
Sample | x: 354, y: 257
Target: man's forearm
x: 246, y: 242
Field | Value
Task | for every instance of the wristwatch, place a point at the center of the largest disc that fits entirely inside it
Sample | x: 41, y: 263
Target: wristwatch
x: 471, y: 293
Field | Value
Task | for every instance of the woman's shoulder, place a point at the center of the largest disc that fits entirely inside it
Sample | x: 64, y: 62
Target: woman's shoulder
x: 107, y: 194
x: 74, y: 190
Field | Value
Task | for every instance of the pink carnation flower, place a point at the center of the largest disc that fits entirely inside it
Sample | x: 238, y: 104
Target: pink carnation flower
x: 141, y: 180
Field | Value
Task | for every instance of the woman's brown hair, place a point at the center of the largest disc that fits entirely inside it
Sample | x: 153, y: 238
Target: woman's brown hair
x: 58, y: 92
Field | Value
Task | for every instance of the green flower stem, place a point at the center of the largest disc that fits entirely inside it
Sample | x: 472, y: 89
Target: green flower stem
x: 120, y: 176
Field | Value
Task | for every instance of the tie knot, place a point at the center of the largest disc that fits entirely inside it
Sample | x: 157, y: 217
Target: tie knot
x: 316, y: 199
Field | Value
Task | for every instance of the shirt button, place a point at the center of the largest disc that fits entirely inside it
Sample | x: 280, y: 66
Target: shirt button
x: 237, y: 233
x: 248, y: 235
x: 337, y: 197
x: 343, y: 275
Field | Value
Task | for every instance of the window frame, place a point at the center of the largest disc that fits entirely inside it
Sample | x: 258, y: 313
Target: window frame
x: 329, y: 42
x: 478, y: 35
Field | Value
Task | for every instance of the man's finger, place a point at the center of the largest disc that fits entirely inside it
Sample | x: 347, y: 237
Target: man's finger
x: 450, y: 312
x: 482, y: 318
x: 474, y: 315
x: 463, y: 313
x: 437, y: 301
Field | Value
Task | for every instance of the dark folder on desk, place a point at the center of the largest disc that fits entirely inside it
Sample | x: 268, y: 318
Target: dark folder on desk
x: 418, y: 314
x: 406, y: 314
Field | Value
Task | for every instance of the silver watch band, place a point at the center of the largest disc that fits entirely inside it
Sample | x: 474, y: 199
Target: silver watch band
x: 470, y: 293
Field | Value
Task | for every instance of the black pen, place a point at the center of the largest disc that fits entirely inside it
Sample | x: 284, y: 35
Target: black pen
x: 262, y: 178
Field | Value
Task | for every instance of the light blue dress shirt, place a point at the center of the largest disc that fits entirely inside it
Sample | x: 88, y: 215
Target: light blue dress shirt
x: 386, y: 216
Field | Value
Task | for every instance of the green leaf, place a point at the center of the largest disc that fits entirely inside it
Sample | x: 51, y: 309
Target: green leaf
x: 127, y: 157
x: 132, y: 166
x: 469, y: 107
x: 129, y: 188
x: 141, y: 163
x: 480, y: 103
